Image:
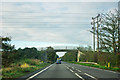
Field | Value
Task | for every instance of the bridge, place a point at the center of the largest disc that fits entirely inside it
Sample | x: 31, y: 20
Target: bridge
x: 67, y: 49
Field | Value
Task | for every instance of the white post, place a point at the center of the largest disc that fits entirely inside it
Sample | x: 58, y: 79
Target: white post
x: 78, y: 56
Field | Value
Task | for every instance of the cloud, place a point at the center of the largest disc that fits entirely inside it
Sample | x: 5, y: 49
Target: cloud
x: 51, y: 22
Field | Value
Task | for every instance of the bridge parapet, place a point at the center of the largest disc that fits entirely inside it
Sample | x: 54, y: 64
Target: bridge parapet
x: 60, y: 50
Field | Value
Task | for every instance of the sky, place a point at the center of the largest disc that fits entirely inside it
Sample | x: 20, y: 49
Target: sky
x: 59, y: 0
x: 60, y: 53
x: 50, y: 23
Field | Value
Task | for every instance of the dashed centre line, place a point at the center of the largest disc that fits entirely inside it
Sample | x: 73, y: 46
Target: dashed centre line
x: 71, y: 70
x: 79, y: 76
x: 66, y: 67
x: 90, y: 76
x: 76, y: 73
x: 78, y: 70
x: 73, y: 67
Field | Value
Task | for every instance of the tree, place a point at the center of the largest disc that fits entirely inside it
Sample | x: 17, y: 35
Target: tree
x: 108, y: 32
x: 7, y: 51
x: 83, y: 49
x: 70, y: 56
x: 6, y: 46
x: 50, y: 54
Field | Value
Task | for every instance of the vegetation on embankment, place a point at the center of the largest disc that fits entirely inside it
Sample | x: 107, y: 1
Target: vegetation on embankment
x: 87, y: 55
x: 98, y: 66
x: 22, y: 67
x: 102, y: 59
x: 19, y: 62
x: 10, y: 54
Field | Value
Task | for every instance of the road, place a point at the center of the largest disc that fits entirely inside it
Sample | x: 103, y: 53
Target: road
x: 74, y: 72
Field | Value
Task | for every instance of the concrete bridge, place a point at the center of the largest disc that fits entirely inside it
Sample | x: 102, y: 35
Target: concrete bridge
x: 67, y: 50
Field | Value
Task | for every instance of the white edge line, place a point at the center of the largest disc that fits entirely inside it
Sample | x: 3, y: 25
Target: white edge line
x: 103, y: 69
x: 110, y: 71
x: 38, y: 72
x: 79, y: 76
x: 90, y: 76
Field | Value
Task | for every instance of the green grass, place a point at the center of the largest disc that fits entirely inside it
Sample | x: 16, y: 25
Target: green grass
x: 98, y: 66
x: 16, y: 71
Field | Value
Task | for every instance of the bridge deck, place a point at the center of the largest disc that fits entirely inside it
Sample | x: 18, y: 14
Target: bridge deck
x: 65, y: 50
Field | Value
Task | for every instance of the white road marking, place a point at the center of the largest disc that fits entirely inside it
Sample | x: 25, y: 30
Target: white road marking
x: 67, y: 67
x: 79, y: 76
x: 71, y: 70
x: 90, y: 76
x: 39, y: 72
x: 110, y: 71
x: 73, y: 67
x: 95, y: 68
x: 103, y: 69
x: 79, y: 70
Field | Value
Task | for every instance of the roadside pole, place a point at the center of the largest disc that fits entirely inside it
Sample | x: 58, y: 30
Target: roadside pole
x: 93, y: 23
x: 97, y: 33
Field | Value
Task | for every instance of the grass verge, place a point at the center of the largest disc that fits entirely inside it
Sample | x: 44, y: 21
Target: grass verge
x: 98, y: 66
x: 22, y: 67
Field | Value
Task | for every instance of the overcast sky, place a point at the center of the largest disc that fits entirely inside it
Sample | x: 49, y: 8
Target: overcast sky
x: 41, y: 24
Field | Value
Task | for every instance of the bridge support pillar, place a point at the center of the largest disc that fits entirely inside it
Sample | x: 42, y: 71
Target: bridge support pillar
x: 78, y: 56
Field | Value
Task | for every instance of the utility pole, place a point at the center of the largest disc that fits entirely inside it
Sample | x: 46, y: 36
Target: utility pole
x: 97, y: 32
x: 93, y: 23
x: 66, y: 47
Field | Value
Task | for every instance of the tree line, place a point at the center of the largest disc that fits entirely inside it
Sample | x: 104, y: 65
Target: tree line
x: 10, y: 54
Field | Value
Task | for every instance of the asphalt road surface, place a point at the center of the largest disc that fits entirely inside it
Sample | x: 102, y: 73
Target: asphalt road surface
x: 69, y: 71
